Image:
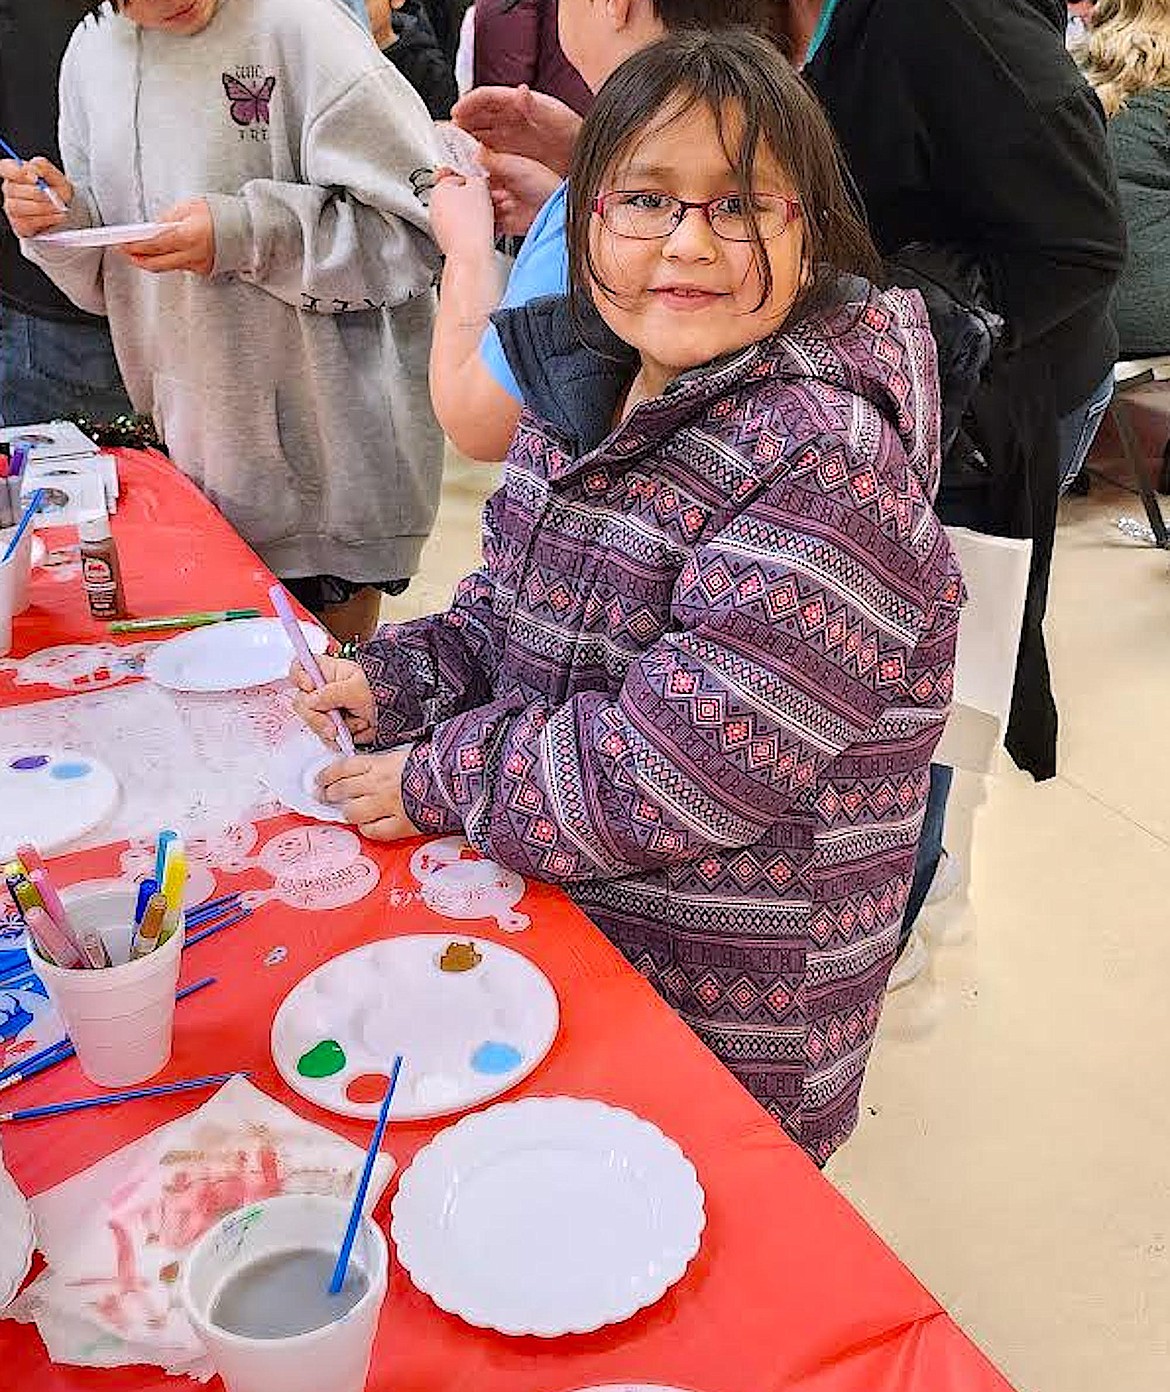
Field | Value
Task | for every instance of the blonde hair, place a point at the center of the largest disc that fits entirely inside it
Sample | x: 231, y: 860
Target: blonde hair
x: 1127, y: 50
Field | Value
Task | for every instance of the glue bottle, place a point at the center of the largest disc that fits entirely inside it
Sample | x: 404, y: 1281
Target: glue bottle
x: 100, y: 572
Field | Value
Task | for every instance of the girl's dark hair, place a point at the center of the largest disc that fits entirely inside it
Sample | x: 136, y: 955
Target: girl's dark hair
x: 743, y: 80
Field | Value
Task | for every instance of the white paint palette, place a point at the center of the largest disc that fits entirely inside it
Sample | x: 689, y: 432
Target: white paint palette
x: 51, y: 797
x: 229, y: 656
x: 292, y: 775
x: 470, y: 1018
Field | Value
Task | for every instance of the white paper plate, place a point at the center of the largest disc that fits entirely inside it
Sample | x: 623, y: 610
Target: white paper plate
x: 548, y: 1216
x: 228, y: 656
x: 18, y: 1238
x: 50, y: 797
x: 465, y: 1036
x: 117, y: 234
x: 632, y: 1387
x: 292, y: 775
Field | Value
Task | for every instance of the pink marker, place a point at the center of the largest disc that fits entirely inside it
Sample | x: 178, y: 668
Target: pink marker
x: 305, y: 657
x: 51, y: 940
x: 91, y: 946
x: 30, y: 858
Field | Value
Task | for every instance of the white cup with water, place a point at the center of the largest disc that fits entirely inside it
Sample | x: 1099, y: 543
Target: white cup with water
x: 256, y: 1290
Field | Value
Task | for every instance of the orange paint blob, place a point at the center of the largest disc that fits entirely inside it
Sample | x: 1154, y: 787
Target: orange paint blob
x: 367, y: 1087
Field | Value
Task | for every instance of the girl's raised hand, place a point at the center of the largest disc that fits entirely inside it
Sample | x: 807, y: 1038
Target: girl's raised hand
x: 368, y: 791
x: 519, y: 121
x: 346, y: 689
x: 462, y: 217
x: 27, y: 207
x: 188, y: 245
x: 520, y: 189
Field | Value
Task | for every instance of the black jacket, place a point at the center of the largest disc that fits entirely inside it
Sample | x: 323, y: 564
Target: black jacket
x: 418, y: 55
x: 966, y: 124
x: 33, y: 39
x: 968, y: 128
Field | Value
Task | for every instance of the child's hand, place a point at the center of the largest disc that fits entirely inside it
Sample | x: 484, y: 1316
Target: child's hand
x: 518, y: 121
x: 520, y: 188
x: 368, y: 790
x: 462, y: 217
x: 346, y: 689
x: 27, y: 207
x: 187, y: 246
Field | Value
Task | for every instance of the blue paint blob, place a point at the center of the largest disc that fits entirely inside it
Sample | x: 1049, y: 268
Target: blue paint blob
x: 29, y: 762
x: 492, y: 1057
x: 66, y: 772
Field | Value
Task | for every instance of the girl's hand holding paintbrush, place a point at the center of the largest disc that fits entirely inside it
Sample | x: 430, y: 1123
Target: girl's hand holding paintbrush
x: 346, y: 690
x: 27, y: 205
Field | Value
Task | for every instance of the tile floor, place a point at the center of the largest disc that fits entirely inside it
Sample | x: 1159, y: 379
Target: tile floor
x: 1014, y: 1145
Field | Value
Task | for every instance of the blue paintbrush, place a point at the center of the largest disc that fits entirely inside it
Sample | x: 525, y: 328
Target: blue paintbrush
x: 51, y: 194
x: 111, y: 1099
x: 359, y: 1198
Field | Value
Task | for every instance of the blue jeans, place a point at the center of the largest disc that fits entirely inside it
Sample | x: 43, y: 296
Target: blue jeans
x: 1076, y: 433
x: 50, y: 369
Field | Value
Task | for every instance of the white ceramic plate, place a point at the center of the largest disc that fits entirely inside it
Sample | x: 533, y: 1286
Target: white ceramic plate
x: 19, y: 1239
x: 117, y: 234
x: 548, y: 1216
x: 228, y: 656
x: 50, y: 797
x: 465, y: 1036
x: 292, y: 775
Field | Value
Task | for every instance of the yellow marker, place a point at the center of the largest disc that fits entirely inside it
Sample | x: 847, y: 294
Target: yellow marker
x: 174, y: 876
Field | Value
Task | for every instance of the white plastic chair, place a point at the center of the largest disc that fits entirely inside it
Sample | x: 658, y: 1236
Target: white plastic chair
x: 995, y: 571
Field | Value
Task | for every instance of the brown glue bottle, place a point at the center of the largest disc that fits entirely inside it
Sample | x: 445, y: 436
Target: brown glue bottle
x: 100, y: 572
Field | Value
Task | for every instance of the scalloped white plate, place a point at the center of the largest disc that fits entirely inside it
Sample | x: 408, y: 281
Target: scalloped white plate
x: 116, y: 234
x: 548, y: 1216
x: 229, y: 656
x: 292, y: 772
x: 19, y: 1238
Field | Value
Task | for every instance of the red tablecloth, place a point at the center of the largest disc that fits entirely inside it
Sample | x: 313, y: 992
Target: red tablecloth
x: 791, y: 1289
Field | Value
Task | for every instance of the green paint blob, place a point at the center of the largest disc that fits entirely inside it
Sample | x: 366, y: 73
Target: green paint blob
x: 322, y: 1060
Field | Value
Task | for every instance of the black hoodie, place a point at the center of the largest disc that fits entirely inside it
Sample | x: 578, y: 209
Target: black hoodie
x: 966, y: 124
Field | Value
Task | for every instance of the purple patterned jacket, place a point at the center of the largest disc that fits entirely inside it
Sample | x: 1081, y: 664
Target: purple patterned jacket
x: 700, y: 675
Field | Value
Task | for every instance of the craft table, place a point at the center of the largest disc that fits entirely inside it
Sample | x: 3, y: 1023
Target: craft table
x: 791, y: 1289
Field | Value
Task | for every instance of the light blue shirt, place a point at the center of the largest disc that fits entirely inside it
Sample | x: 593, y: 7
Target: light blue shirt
x: 542, y: 268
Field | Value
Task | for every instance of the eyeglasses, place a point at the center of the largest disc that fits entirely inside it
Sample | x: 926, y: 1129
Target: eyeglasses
x: 647, y: 215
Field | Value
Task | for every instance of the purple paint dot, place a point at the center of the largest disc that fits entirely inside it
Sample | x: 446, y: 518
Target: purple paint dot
x: 29, y: 762
x: 67, y: 772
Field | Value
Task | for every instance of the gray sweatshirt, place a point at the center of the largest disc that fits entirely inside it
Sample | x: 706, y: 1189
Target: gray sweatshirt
x: 291, y: 384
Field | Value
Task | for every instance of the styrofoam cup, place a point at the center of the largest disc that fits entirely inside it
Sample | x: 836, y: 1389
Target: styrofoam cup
x: 334, y: 1358
x: 119, y: 1019
x: 14, y: 573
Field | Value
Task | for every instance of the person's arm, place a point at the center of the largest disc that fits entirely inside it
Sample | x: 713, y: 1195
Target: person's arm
x: 355, y: 235
x: 717, y: 731
x: 1031, y: 176
x: 507, y: 43
x: 78, y: 272
x: 477, y: 414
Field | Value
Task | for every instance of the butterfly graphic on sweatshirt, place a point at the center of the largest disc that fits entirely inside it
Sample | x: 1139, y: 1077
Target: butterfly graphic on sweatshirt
x: 249, y: 105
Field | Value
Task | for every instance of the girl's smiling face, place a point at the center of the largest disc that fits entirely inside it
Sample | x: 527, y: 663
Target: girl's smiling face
x: 686, y: 298
x: 183, y: 17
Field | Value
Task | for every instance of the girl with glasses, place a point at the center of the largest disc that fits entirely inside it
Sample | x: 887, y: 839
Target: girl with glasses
x: 699, y: 676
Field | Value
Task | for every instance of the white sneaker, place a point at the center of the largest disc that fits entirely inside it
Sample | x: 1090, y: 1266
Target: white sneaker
x: 948, y: 876
x: 910, y: 965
